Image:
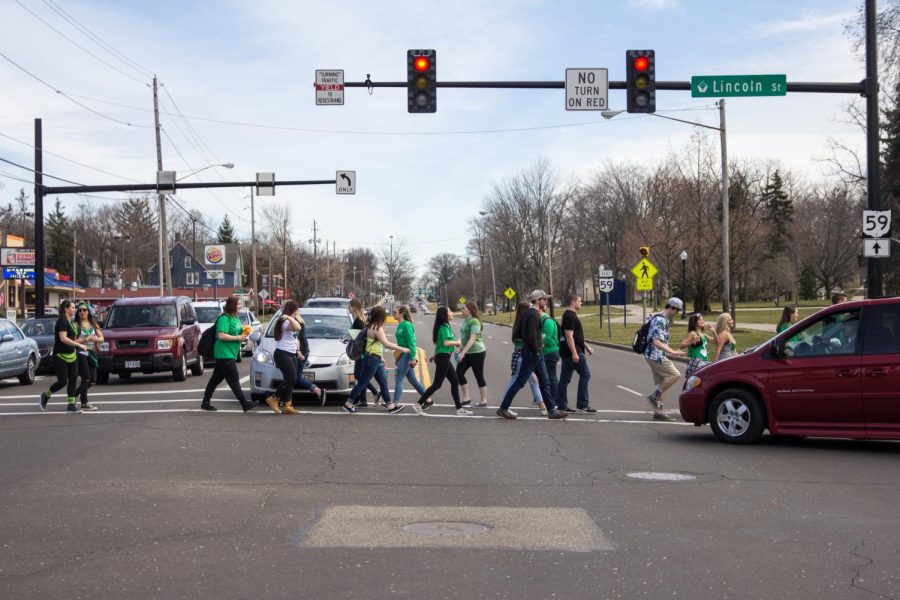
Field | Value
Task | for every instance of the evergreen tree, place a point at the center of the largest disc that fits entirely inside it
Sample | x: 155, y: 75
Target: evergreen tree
x: 226, y: 232
x: 136, y: 220
x: 890, y: 186
x: 808, y: 283
x: 779, y: 214
x: 59, y: 240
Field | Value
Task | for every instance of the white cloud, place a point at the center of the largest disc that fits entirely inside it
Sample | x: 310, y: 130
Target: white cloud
x: 808, y: 22
x: 654, y: 4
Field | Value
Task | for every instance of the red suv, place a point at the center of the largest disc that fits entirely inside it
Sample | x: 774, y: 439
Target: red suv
x: 150, y: 335
x: 834, y: 374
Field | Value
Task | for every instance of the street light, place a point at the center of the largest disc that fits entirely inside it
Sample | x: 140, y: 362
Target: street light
x: 226, y: 165
x: 726, y: 243
x: 491, y: 256
x: 683, y: 281
x: 122, y: 238
x: 391, y: 275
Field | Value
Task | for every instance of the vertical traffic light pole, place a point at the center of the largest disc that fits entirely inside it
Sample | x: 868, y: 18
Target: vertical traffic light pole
x: 38, y: 224
x: 874, y: 268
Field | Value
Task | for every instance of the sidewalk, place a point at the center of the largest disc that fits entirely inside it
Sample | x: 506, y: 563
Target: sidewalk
x: 635, y: 316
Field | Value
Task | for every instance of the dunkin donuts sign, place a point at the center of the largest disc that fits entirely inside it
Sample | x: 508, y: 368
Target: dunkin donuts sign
x: 214, y: 255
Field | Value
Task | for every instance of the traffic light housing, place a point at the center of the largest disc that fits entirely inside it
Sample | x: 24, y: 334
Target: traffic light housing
x: 421, y: 81
x: 640, y: 81
x: 645, y: 251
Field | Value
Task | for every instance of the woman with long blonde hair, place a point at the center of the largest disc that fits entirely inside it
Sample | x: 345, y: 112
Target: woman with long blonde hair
x: 725, y: 344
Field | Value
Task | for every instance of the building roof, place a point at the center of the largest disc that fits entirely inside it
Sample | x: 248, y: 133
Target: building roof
x: 53, y: 284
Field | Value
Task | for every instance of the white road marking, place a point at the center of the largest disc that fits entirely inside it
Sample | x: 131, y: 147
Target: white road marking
x: 630, y: 391
x: 245, y: 379
x: 505, y: 342
x: 120, y: 393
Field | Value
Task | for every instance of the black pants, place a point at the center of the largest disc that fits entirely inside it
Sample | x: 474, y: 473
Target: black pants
x: 66, y: 376
x: 88, y: 374
x: 225, y: 369
x: 476, y: 361
x: 287, y: 364
x: 443, y: 369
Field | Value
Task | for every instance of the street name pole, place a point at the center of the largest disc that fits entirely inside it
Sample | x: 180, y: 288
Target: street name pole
x: 874, y: 268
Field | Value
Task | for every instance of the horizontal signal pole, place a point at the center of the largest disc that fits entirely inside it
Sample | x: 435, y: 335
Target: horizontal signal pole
x: 152, y: 187
x: 798, y: 86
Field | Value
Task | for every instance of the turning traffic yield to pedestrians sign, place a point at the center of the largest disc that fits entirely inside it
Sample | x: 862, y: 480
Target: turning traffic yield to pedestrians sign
x: 329, y: 87
x: 644, y: 272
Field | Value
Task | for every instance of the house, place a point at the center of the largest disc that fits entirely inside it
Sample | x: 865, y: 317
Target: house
x: 188, y: 271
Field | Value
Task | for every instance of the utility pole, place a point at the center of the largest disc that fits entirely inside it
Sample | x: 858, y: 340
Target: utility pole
x: 74, y: 258
x: 194, y: 254
x: 254, y: 284
x: 315, y: 261
x: 727, y: 304
x: 39, y: 254
x: 165, y: 282
x: 284, y: 255
x: 875, y: 267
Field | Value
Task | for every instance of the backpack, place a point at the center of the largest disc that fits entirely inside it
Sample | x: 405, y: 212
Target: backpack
x: 640, y: 342
x: 208, y: 340
x: 357, y: 346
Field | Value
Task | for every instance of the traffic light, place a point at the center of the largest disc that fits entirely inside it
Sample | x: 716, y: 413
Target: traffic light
x: 421, y: 80
x: 645, y: 250
x: 640, y: 81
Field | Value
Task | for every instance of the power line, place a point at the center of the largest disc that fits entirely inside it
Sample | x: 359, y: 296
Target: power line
x: 71, y: 160
x: 5, y: 174
x: 44, y: 174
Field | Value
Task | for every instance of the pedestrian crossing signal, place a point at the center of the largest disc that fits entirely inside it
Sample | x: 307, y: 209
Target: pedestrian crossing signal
x: 645, y: 250
x: 640, y: 81
x: 421, y: 80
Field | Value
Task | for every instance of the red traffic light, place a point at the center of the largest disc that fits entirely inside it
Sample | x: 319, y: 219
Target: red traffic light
x: 421, y: 64
x: 641, y: 63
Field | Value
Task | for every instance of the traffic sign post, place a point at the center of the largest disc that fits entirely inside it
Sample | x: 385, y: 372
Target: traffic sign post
x: 329, y: 87
x: 587, y: 89
x: 718, y: 86
x: 877, y: 248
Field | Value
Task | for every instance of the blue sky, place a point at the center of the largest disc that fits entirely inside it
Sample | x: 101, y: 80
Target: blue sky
x: 420, y: 177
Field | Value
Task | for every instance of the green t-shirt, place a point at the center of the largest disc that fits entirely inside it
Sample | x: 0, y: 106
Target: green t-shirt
x: 406, y: 337
x: 231, y: 325
x: 699, y: 351
x: 444, y: 333
x: 551, y: 334
x: 471, y: 326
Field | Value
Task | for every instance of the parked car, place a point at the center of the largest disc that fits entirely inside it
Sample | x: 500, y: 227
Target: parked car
x: 327, y: 330
x: 41, y: 331
x: 207, y: 312
x: 834, y: 374
x: 150, y: 335
x: 19, y: 355
x: 248, y: 319
x: 327, y: 303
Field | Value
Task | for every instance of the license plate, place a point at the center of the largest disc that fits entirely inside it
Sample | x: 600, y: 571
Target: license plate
x: 309, y: 375
x: 132, y: 364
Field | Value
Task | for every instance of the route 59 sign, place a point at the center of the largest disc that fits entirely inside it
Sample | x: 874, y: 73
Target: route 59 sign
x: 876, y: 223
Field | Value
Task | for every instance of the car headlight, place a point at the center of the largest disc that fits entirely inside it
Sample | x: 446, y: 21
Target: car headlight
x: 164, y: 344
x: 693, y: 383
x: 103, y: 346
x: 343, y: 360
x: 264, y: 357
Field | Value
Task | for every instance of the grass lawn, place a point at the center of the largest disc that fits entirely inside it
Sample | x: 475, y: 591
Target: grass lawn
x: 802, y: 303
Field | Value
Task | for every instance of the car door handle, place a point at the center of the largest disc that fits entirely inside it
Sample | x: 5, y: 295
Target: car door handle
x: 848, y: 373
x: 877, y: 372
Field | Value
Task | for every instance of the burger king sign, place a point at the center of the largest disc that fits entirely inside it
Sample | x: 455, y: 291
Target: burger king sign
x: 214, y: 255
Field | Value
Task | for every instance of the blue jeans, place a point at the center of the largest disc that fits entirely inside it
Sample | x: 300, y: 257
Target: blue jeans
x: 532, y: 382
x: 551, y: 359
x: 532, y: 362
x: 404, y: 371
x: 371, y: 366
x: 565, y: 376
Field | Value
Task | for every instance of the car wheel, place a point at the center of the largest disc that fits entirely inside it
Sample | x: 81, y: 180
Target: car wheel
x: 125, y: 375
x: 102, y: 377
x: 180, y: 374
x: 737, y: 416
x: 197, y: 367
x: 27, y: 378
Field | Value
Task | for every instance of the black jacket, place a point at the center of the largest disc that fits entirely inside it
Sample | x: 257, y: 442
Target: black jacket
x: 530, y: 332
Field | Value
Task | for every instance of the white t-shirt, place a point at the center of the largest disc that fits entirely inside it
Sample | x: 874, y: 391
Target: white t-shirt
x: 288, y: 342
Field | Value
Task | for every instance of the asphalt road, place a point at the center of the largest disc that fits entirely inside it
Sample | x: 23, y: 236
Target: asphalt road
x: 151, y: 498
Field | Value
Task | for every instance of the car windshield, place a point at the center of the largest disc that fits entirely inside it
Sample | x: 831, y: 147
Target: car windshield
x: 141, y: 316
x: 38, y: 327
x: 207, y: 314
x: 333, y: 327
x: 327, y: 304
x: 245, y: 317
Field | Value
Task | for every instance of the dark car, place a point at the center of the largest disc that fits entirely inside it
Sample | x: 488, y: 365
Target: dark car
x: 150, y: 335
x: 41, y: 331
x: 834, y: 374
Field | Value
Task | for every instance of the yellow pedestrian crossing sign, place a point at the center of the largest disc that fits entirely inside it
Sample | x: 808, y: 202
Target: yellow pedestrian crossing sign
x: 509, y: 293
x: 462, y: 299
x: 644, y: 272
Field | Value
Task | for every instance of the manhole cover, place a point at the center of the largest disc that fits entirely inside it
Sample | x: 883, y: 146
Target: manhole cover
x: 445, y: 529
x: 656, y: 476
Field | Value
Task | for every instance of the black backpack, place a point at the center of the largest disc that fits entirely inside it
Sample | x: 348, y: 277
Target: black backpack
x: 357, y: 346
x: 640, y: 342
x: 208, y: 340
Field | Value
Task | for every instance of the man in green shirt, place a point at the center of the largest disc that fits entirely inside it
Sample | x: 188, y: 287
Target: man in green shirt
x: 551, y: 347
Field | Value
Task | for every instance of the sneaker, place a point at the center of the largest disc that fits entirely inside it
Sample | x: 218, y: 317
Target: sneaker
x: 466, y: 402
x: 482, y: 404
x: 506, y: 414
x: 396, y: 408
x: 661, y: 416
x: 654, y: 402
x: 324, y: 396
x: 568, y: 410
x: 418, y: 409
x: 544, y: 412
x: 558, y: 414
x: 426, y: 405
x: 349, y: 409
x: 45, y: 398
x: 88, y: 406
x: 73, y: 408
x: 272, y: 401
x: 247, y: 405
x: 588, y: 410
x: 464, y: 412
x: 208, y: 406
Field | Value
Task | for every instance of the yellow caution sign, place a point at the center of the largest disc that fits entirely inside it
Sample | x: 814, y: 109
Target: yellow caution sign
x: 644, y: 272
x: 509, y: 293
x: 462, y: 299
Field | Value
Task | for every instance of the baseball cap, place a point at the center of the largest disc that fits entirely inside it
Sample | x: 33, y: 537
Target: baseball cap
x: 538, y: 294
x: 675, y: 303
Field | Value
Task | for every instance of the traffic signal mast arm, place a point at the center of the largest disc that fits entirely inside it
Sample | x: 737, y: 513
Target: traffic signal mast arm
x: 813, y: 87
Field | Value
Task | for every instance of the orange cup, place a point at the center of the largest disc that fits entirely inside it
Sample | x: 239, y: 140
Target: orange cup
x: 247, y: 329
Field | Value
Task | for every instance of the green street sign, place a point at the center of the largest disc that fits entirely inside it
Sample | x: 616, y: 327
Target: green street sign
x: 718, y: 86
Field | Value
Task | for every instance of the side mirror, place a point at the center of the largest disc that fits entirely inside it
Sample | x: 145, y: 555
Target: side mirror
x: 6, y: 338
x: 776, y: 349
x: 254, y: 337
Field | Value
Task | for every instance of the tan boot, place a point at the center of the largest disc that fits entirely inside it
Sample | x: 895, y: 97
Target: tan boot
x: 272, y: 401
x: 289, y: 409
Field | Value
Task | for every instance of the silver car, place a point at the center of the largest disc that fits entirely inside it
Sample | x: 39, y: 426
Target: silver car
x: 248, y: 319
x: 327, y: 331
x: 19, y: 355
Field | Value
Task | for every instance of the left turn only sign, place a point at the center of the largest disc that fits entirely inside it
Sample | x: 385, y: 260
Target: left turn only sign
x: 329, y: 87
x: 345, y: 182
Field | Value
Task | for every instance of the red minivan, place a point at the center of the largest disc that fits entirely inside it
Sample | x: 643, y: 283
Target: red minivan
x: 834, y: 374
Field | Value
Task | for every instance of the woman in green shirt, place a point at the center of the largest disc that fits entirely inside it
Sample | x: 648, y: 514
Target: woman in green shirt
x: 444, y: 343
x: 226, y: 349
x: 89, y: 333
x: 789, y: 316
x: 472, y: 354
x: 406, y: 361
x: 696, y: 342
